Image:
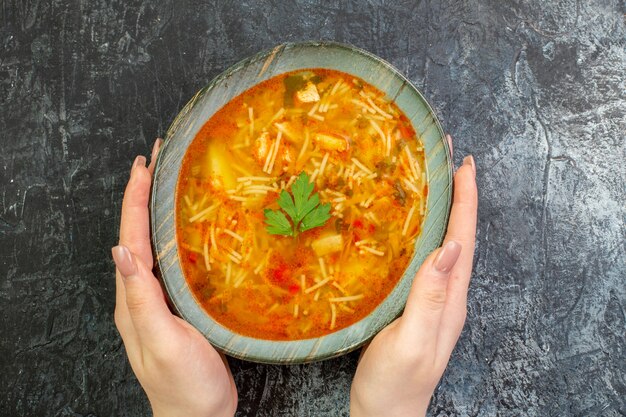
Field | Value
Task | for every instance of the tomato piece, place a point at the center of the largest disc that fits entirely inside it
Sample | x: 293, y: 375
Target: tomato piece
x: 280, y: 274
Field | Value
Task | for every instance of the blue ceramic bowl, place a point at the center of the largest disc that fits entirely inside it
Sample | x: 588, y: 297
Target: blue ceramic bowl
x: 233, y: 82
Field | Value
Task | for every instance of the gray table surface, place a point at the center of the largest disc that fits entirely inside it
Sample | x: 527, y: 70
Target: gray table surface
x: 534, y: 89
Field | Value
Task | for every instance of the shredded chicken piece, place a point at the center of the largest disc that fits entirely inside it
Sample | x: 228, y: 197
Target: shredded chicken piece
x: 262, y: 146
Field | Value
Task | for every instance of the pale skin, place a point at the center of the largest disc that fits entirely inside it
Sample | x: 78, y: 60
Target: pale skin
x: 398, y: 372
x: 183, y: 375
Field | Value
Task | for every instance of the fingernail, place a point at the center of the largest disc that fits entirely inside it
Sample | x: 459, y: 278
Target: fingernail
x: 447, y: 256
x: 139, y: 161
x: 155, y: 148
x: 124, y: 261
x: 449, y: 139
x: 469, y: 160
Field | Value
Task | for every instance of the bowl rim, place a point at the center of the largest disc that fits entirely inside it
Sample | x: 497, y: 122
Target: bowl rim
x: 355, y: 344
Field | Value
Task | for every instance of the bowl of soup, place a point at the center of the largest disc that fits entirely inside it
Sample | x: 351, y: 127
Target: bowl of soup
x: 295, y: 198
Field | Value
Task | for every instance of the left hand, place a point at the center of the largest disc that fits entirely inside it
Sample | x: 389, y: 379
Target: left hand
x: 182, y: 374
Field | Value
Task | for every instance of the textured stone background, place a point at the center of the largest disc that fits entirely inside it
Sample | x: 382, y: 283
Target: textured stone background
x: 535, y: 90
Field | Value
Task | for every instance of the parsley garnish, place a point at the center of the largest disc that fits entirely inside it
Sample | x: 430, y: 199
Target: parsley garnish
x: 304, y: 209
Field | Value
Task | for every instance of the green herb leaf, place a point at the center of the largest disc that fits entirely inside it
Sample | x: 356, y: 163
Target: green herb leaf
x: 303, y: 208
x: 301, y: 190
x: 316, y: 217
x: 277, y: 223
x: 310, y: 204
x: 286, y: 203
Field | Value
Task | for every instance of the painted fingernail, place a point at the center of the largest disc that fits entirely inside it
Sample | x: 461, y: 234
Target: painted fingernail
x: 139, y: 161
x: 155, y: 148
x: 123, y: 261
x: 469, y: 160
x: 447, y: 257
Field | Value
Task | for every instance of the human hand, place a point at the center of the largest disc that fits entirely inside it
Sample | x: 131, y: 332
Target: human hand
x: 398, y: 372
x: 182, y: 374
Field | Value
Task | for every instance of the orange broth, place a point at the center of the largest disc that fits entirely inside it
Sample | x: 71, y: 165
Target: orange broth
x: 363, y: 158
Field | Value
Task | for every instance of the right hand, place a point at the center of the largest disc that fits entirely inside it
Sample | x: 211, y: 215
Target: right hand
x: 182, y: 374
x: 399, y: 370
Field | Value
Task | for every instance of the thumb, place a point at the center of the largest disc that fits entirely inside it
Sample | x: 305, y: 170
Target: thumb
x: 149, y: 313
x: 426, y: 301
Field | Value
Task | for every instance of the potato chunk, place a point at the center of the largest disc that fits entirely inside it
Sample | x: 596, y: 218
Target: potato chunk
x: 308, y: 94
x: 217, y: 166
x: 328, y: 244
x: 331, y: 142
